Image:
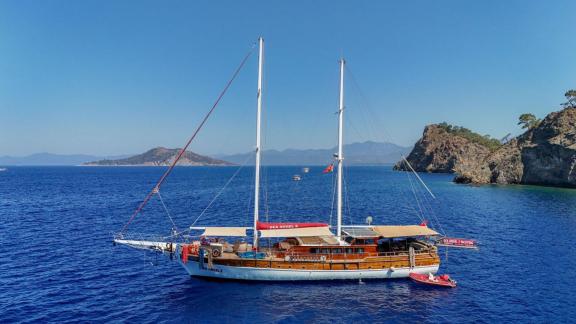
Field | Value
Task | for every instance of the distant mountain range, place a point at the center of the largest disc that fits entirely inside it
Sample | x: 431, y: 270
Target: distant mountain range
x: 53, y: 159
x: 354, y: 154
x: 161, y: 156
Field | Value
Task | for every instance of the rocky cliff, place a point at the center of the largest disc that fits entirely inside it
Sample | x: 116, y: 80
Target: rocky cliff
x: 161, y: 156
x: 441, y: 151
x: 551, y: 157
x: 543, y: 155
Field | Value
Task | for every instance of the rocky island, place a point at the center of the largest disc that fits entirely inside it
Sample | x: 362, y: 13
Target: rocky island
x: 544, y: 155
x: 161, y: 156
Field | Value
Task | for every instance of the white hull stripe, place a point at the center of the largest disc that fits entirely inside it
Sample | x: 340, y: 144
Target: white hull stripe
x: 268, y: 274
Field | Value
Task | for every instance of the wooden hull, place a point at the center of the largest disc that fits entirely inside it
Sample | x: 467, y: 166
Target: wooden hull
x: 270, y: 270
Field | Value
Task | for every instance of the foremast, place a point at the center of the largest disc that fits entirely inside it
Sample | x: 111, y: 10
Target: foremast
x: 258, y: 145
x: 340, y: 154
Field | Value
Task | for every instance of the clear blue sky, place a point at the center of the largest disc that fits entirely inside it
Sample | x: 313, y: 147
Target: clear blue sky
x: 116, y: 77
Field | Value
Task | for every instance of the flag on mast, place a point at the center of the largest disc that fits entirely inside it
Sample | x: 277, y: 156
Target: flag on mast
x: 329, y: 168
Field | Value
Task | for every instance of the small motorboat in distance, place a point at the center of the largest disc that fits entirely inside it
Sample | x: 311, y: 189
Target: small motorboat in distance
x: 430, y: 279
x: 296, y: 177
x: 305, y: 170
x: 3, y: 169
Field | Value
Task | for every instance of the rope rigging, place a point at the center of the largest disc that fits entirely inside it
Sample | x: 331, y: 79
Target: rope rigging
x: 421, y: 211
x: 156, y: 188
x: 347, y: 196
x: 174, y: 228
x: 333, y: 197
x: 417, y: 176
x: 423, y: 203
x: 177, y: 233
x: 373, y: 119
x: 221, y: 190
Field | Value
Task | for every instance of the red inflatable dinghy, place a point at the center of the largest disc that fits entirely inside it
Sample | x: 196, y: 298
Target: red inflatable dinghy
x: 429, y: 279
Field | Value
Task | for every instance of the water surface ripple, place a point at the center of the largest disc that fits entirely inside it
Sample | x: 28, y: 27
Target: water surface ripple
x: 57, y: 263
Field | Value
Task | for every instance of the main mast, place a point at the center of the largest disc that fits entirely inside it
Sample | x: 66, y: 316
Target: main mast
x: 258, y: 148
x: 340, y: 157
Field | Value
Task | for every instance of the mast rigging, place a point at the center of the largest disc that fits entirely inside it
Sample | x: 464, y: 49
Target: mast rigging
x: 156, y: 187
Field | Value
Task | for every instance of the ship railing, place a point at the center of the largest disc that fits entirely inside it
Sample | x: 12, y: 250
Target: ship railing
x: 404, y: 253
x: 393, y: 253
x: 323, y: 257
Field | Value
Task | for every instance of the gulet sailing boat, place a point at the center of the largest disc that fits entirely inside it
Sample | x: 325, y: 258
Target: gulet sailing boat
x: 303, y: 251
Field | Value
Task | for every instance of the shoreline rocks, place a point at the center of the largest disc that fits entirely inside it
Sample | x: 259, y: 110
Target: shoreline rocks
x: 544, y: 155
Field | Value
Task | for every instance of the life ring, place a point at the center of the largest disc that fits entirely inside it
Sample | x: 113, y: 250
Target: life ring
x: 216, y: 253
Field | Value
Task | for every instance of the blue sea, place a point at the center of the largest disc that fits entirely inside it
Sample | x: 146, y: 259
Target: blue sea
x: 58, y: 264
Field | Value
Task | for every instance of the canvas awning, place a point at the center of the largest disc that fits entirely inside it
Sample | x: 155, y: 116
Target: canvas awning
x: 297, y: 232
x: 222, y: 231
x: 360, y: 232
x: 393, y: 231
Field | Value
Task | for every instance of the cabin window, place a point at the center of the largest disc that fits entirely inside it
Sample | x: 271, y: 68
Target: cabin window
x: 325, y: 251
x: 359, y: 250
x: 349, y: 250
x: 314, y: 250
x: 338, y: 251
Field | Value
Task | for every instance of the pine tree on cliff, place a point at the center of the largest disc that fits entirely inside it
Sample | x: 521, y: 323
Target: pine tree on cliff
x: 571, y: 97
x: 528, y: 121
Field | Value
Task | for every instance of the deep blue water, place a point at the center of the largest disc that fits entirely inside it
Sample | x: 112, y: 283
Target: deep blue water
x: 57, y: 262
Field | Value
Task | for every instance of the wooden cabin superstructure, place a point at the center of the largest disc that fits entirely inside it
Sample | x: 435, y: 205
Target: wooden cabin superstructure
x: 320, y: 252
